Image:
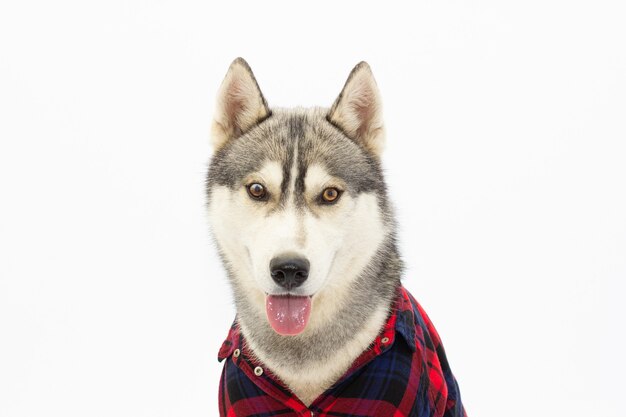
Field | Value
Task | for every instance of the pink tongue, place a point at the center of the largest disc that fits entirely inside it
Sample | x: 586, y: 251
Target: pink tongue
x: 288, y: 315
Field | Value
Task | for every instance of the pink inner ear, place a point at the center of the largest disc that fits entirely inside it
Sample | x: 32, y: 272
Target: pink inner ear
x: 363, y: 105
x: 235, y: 105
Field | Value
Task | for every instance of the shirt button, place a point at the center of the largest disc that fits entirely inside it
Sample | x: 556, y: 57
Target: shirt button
x: 258, y: 371
x: 384, y: 340
x: 236, y: 353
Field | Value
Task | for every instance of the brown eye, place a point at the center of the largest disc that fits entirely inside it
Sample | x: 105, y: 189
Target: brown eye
x: 256, y: 191
x: 330, y: 195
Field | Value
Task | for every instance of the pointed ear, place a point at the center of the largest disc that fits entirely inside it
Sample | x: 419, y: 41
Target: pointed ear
x: 240, y: 104
x: 358, y: 110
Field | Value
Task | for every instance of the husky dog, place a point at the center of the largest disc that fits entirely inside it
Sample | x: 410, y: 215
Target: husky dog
x: 300, y: 215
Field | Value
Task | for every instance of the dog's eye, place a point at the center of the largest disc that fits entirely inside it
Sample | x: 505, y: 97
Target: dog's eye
x: 256, y: 191
x: 330, y: 195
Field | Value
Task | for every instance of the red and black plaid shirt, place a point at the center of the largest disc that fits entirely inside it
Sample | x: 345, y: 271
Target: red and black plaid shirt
x: 405, y: 376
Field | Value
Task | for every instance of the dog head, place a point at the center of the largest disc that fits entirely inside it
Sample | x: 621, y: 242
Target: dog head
x: 297, y: 201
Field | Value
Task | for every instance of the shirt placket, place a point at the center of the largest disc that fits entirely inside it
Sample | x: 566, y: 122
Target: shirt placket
x: 272, y: 387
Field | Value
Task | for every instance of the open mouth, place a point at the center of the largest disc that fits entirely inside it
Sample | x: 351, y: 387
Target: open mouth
x: 288, y: 314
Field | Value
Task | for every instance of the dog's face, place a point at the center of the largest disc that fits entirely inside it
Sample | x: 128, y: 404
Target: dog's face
x: 297, y: 202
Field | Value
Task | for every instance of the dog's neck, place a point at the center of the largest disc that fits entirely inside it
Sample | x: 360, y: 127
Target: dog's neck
x: 343, y: 324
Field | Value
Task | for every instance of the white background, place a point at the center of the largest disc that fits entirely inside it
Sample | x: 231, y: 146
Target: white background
x: 506, y: 161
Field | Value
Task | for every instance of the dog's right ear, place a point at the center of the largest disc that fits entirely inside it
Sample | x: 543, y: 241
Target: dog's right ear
x: 240, y: 104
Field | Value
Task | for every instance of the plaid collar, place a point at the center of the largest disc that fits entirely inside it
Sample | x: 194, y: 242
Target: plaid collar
x: 405, y: 376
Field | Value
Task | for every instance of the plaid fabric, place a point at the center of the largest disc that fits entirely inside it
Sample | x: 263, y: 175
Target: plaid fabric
x: 407, y: 376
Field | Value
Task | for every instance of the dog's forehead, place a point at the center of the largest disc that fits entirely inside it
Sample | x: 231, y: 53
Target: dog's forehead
x: 299, y: 139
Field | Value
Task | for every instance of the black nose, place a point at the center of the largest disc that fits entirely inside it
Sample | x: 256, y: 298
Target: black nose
x: 289, y: 271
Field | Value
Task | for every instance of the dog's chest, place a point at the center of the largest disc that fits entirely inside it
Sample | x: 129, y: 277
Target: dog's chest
x: 309, y: 382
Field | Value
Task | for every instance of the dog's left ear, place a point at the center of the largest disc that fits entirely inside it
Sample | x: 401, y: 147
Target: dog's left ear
x: 240, y: 104
x: 358, y: 110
